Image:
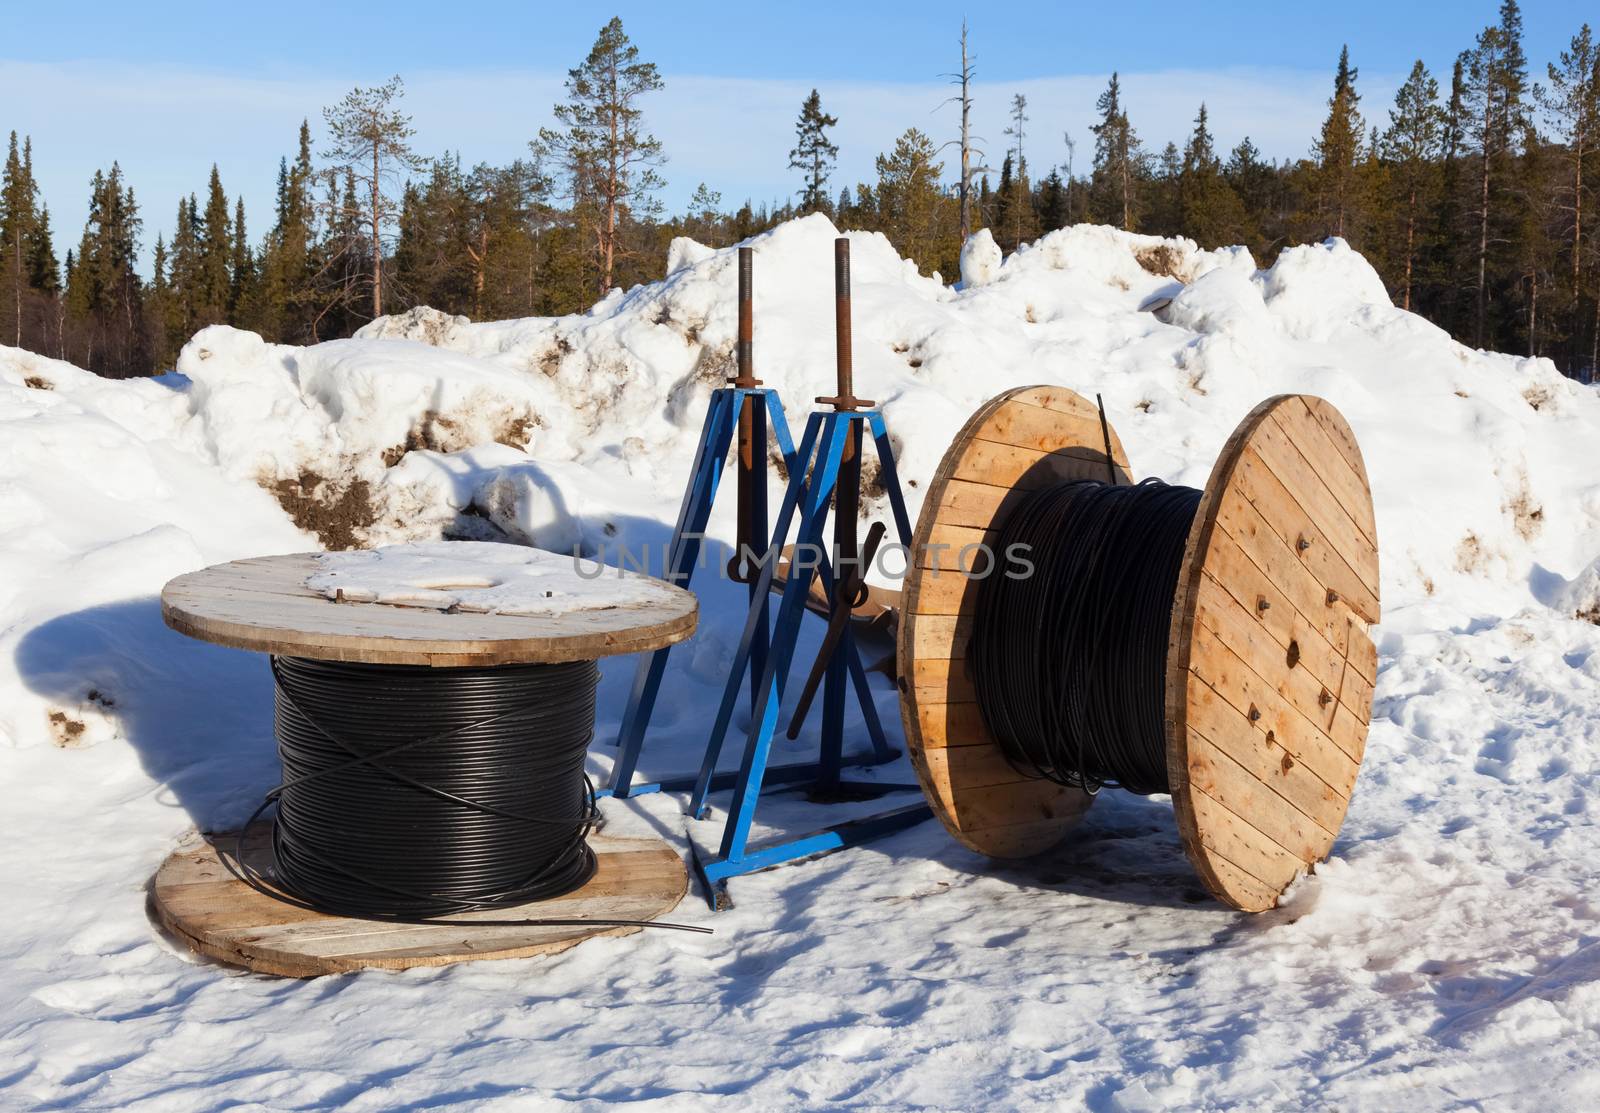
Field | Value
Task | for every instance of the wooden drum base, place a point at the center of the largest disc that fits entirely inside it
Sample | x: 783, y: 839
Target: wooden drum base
x: 197, y: 899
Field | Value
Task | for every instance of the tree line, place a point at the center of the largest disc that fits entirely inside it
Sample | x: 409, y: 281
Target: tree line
x: 1475, y: 201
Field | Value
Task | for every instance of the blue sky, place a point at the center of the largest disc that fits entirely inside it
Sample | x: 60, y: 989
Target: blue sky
x: 168, y: 89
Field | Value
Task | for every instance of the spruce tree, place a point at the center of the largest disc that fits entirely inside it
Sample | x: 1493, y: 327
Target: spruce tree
x: 212, y: 280
x: 813, y: 153
x: 909, y: 199
x: 1212, y: 213
x: 286, y: 268
x: 609, y: 159
x: 1004, y: 198
x: 18, y: 229
x: 242, y: 272
x: 1053, y: 212
x: 104, y: 295
x: 1412, y: 145
x: 1338, y: 152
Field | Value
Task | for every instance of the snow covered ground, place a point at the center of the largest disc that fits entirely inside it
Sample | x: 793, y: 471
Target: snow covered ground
x: 1448, y: 955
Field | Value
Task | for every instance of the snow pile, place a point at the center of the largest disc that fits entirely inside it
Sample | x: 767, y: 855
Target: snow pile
x: 1447, y: 947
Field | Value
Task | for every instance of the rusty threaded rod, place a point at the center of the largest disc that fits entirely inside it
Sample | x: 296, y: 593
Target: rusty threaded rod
x: 746, y: 345
x: 841, y: 321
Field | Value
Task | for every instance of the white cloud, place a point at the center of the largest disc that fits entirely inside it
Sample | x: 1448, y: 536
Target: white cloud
x: 167, y: 126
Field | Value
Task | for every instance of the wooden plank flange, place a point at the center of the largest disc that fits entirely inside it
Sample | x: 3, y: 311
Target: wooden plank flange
x: 200, y: 902
x: 1022, y: 439
x: 263, y: 604
x: 1269, y: 664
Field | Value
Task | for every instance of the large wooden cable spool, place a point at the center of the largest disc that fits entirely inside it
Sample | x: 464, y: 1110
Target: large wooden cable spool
x: 1270, y: 669
x: 264, y: 604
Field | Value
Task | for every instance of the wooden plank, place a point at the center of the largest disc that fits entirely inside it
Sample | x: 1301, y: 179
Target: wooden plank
x: 1238, y: 888
x: 957, y: 768
x: 1261, y: 755
x: 951, y: 591
x: 1026, y: 469
x: 203, y: 905
x: 1300, y: 484
x: 1225, y: 835
x: 937, y: 635
x: 941, y: 681
x: 1317, y: 449
x: 1333, y: 710
x: 1304, y: 576
x: 1022, y: 803
x: 952, y: 724
x: 944, y: 544
x: 1340, y: 435
x: 1330, y: 650
x: 1218, y: 669
x: 1217, y: 775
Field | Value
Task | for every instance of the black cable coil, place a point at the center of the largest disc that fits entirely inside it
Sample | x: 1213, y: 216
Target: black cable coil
x: 412, y: 792
x: 1069, y: 663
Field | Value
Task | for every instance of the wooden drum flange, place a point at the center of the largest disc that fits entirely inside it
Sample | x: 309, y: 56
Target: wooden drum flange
x: 1024, y: 439
x: 1270, y: 669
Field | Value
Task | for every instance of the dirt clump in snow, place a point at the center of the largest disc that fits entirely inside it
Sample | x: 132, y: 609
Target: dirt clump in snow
x: 1527, y: 516
x: 1163, y: 260
x: 338, y: 515
x: 66, y: 731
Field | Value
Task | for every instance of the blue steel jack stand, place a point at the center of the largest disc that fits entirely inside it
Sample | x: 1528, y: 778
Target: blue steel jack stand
x: 747, y: 405
x: 829, y: 473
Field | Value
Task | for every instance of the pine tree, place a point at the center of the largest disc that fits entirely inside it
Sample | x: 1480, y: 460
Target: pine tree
x: 1572, y: 107
x: 608, y: 157
x: 1117, y: 162
x: 703, y: 214
x: 1413, y: 144
x: 1495, y: 73
x: 813, y: 153
x: 370, y: 139
x: 1020, y: 220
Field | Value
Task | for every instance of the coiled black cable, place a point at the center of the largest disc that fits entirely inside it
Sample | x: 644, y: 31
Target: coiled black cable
x: 412, y: 793
x: 1069, y: 662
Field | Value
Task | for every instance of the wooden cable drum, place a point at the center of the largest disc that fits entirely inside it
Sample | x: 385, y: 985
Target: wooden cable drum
x: 1269, y: 667
x: 228, y: 896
